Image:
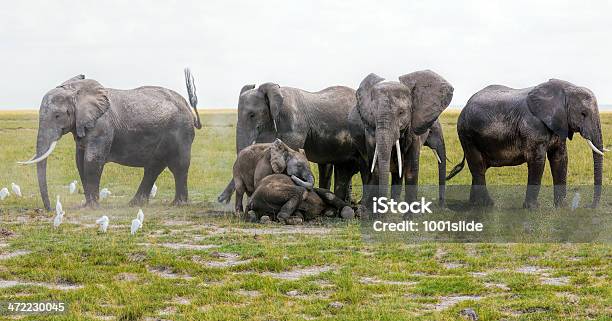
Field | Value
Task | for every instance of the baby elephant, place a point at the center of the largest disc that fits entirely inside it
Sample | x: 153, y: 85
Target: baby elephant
x: 285, y: 198
x: 260, y: 160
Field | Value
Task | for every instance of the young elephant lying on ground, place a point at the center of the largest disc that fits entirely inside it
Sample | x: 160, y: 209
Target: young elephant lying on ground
x: 260, y: 160
x: 279, y: 197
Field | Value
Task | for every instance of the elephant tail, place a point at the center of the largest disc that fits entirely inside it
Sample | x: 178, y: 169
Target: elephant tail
x: 456, y: 169
x: 193, y: 98
x: 226, y: 195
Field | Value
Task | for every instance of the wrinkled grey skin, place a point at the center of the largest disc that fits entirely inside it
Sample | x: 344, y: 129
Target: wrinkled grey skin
x: 434, y: 139
x: 314, y: 121
x: 389, y: 111
x: 502, y: 126
x: 281, y: 197
x: 150, y: 127
x: 260, y: 160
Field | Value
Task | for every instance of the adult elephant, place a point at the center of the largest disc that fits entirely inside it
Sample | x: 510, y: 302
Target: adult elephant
x: 313, y: 121
x: 150, y: 127
x: 432, y: 138
x: 393, y: 114
x: 503, y: 126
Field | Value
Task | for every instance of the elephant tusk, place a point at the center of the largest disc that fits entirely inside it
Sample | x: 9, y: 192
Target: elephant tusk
x: 398, y: 151
x: 253, y: 143
x: 437, y: 156
x: 42, y: 157
x: 605, y: 149
x: 275, y: 129
x: 594, y: 148
x: 374, y: 160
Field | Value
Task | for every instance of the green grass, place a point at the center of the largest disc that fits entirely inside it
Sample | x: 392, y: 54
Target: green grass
x: 118, y: 276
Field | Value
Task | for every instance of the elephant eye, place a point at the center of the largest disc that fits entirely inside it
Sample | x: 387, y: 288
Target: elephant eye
x: 584, y: 114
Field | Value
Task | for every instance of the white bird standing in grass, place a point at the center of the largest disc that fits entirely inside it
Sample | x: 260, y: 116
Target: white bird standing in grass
x: 153, y: 191
x: 16, y: 189
x: 140, y: 216
x: 136, y: 224
x: 104, y: 193
x: 73, y: 187
x: 4, y: 193
x: 575, y: 201
x: 103, y: 222
x: 58, y: 206
x: 59, y: 213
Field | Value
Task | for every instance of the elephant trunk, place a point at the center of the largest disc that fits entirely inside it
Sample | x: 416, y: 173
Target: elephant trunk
x: 597, y: 166
x: 44, y: 146
x: 384, y: 146
x: 441, y: 152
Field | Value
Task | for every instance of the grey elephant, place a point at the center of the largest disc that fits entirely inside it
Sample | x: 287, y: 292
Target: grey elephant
x: 260, y: 160
x: 150, y: 127
x: 503, y: 126
x: 393, y: 115
x: 283, y: 197
x: 432, y: 138
x: 314, y: 121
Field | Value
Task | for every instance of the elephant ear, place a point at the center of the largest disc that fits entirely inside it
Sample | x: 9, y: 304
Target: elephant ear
x: 246, y: 88
x: 91, y: 102
x: 274, y: 100
x: 364, y: 98
x: 431, y: 94
x: 73, y: 79
x: 547, y: 102
x: 278, y: 154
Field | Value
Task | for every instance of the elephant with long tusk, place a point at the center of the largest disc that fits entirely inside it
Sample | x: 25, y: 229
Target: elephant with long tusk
x: 150, y: 127
x: 396, y: 117
x: 502, y: 126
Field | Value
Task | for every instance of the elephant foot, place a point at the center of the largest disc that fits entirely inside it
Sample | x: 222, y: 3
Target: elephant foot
x: 138, y: 201
x: 561, y: 203
x: 347, y: 213
x: 531, y: 205
x: 293, y: 220
x: 91, y: 204
x: 179, y: 202
x: 482, y: 201
x: 251, y: 217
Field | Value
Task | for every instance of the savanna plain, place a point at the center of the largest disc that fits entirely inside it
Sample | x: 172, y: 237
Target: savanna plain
x: 199, y: 262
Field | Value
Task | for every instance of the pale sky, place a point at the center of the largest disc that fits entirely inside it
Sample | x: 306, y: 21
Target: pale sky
x: 306, y: 44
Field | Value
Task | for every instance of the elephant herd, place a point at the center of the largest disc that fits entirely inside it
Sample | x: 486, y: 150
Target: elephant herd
x: 377, y: 130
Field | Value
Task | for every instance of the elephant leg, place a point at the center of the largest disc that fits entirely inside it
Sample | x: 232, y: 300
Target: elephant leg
x: 342, y: 181
x: 179, y: 166
x: 411, y: 171
x: 295, y: 195
x: 558, y: 168
x: 94, y: 159
x: 92, y: 170
x: 239, y: 196
x: 396, y: 186
x: 80, y: 164
x: 325, y: 175
x: 535, y: 168
x: 479, y: 195
x: 144, y: 190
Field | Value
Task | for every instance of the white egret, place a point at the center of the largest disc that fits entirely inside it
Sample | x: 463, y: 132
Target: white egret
x: 140, y: 216
x: 73, y: 187
x: 103, y: 222
x: 58, y: 206
x: 104, y: 193
x: 4, y: 193
x: 575, y: 201
x: 153, y: 191
x: 136, y: 224
x: 16, y: 189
